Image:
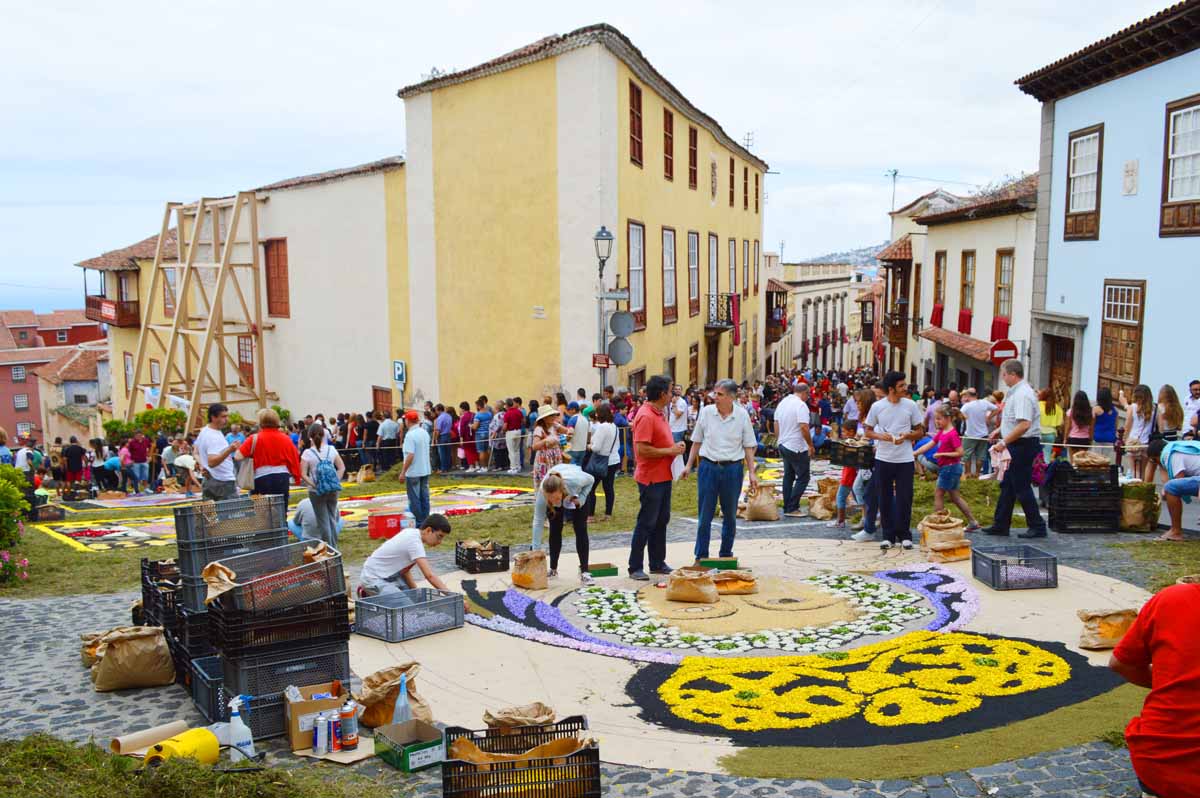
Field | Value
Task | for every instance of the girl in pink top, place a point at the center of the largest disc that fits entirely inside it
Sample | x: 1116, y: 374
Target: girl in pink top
x: 948, y: 452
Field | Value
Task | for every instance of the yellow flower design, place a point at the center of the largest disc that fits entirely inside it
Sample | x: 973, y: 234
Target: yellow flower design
x: 921, y: 677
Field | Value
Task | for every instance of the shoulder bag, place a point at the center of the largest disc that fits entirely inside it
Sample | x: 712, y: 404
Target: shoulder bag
x: 596, y: 464
x: 245, y: 474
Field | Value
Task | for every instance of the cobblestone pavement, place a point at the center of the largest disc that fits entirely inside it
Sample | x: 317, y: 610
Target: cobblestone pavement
x: 44, y: 687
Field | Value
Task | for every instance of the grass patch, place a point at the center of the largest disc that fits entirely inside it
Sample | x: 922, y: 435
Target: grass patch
x: 48, y: 767
x: 1079, y: 723
x: 1115, y: 738
x: 1165, y: 562
x: 980, y: 496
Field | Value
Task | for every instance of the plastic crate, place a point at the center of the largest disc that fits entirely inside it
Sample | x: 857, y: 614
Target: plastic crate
x: 266, y: 715
x: 576, y: 776
x: 851, y: 456
x: 272, y: 672
x: 1067, y: 475
x: 1014, y: 567
x: 192, y: 592
x: 390, y: 618
x: 160, y: 581
x: 275, y: 578
x: 240, y: 516
x: 194, y: 555
x: 183, y: 664
x: 473, y: 562
x: 235, y: 632
x: 1062, y: 520
x: 192, y: 633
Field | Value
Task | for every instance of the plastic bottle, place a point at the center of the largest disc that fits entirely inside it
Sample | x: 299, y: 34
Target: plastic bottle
x: 402, y: 712
x: 240, y: 738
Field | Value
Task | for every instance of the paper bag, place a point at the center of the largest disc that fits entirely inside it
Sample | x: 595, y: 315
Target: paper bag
x: 89, y: 643
x: 695, y: 587
x: 380, y: 691
x: 828, y: 486
x: 530, y: 570
x: 219, y: 580
x: 132, y: 656
x: 535, y: 714
x: 464, y: 750
x: 760, y: 504
x: 735, y: 583
x: 1103, y: 629
x: 1138, y: 515
x: 366, y: 473
x: 950, y: 551
x: 822, y: 508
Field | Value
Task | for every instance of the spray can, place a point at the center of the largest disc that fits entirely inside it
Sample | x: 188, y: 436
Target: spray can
x: 349, y: 726
x: 335, y: 731
x: 320, y: 744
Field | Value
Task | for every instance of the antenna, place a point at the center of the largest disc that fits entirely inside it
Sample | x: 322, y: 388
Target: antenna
x: 748, y: 141
x: 892, y: 173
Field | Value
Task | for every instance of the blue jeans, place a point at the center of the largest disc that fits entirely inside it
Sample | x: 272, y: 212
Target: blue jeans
x: 795, y: 477
x: 418, y: 497
x: 141, y: 473
x: 869, y: 499
x: 650, y: 531
x: 895, y: 491
x: 929, y: 463
x: 678, y: 436
x: 1017, y: 485
x: 443, y: 453
x: 842, y: 495
x: 718, y: 482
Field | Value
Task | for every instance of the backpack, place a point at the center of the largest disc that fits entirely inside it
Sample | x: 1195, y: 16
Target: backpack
x: 326, y: 478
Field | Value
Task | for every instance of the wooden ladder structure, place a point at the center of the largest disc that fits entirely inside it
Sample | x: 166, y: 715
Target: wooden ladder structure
x: 198, y: 365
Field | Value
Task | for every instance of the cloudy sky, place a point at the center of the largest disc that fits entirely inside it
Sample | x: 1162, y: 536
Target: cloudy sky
x: 110, y: 109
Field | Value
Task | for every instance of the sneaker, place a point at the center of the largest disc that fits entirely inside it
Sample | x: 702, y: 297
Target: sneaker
x: 666, y: 569
x: 857, y: 525
x: 553, y: 572
x: 834, y: 524
x: 1032, y: 533
x: 862, y: 537
x: 991, y: 530
x: 885, y: 545
x: 585, y: 578
x: 640, y: 576
x: 906, y: 545
x: 973, y: 528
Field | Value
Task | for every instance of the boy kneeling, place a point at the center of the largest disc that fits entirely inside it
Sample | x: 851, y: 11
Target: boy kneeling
x: 389, y: 568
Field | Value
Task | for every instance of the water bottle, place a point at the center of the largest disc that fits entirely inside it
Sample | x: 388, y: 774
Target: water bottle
x: 402, y: 712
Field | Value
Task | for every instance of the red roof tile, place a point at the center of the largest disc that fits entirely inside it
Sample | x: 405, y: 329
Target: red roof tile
x: 1015, y: 196
x: 62, y: 319
x: 33, y: 354
x: 6, y: 339
x: 76, y: 364
x: 777, y: 286
x: 383, y: 165
x: 971, y: 347
x: 900, y: 249
x: 18, y: 318
x: 126, y: 258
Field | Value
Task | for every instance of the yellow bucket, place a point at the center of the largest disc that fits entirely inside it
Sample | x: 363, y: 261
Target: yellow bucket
x: 199, y: 744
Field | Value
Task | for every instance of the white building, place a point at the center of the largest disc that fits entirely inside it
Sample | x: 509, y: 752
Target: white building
x: 822, y: 295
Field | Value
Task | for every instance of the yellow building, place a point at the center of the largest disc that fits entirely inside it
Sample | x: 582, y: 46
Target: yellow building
x: 512, y: 166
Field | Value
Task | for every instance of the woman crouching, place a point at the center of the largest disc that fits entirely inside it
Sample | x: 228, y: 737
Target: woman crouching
x: 565, y: 489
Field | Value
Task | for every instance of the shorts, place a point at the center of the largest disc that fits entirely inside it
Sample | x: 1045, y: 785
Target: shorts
x: 949, y: 476
x: 975, y: 451
x: 1183, y: 487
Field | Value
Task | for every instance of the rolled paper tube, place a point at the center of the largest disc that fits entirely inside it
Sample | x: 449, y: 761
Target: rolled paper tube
x: 136, y: 743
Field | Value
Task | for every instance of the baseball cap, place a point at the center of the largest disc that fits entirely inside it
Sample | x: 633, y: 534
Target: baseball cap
x: 411, y: 415
x: 573, y: 406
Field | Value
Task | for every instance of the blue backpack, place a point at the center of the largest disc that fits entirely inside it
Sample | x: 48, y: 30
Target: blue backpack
x: 326, y: 478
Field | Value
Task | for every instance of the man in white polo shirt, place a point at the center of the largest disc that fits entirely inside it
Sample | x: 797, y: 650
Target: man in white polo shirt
x: 723, y: 441
x: 677, y: 415
x: 792, y: 419
x: 389, y: 569
x: 1021, y: 433
x: 895, y: 422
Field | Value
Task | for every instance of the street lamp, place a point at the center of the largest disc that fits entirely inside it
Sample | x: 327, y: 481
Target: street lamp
x: 603, y: 241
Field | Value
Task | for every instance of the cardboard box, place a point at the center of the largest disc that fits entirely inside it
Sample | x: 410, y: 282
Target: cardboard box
x: 602, y: 569
x: 720, y: 563
x: 410, y: 746
x: 300, y: 714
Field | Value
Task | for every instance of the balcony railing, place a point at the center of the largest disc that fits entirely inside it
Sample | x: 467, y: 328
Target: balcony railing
x: 720, y: 312
x: 896, y: 328
x: 112, y: 311
x: 775, y: 330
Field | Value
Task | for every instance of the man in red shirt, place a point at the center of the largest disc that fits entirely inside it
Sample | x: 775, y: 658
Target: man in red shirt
x: 139, y: 454
x: 1162, y: 651
x: 513, y: 423
x: 655, y: 448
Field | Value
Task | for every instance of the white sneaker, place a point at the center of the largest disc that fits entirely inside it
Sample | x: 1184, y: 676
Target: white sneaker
x: 862, y: 536
x: 906, y: 544
x: 833, y: 524
x: 885, y: 545
x: 585, y: 578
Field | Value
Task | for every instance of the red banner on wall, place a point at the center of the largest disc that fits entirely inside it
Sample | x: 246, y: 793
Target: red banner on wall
x: 735, y: 315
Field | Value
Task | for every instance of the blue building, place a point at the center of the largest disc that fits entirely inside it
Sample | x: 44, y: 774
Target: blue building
x: 1117, y: 252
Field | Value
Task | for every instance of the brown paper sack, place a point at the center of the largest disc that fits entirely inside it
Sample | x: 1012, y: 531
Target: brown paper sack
x: 219, y: 580
x: 365, y: 474
x: 760, y: 505
x: 464, y: 750
x: 1089, y: 460
x: 112, y: 494
x: 1103, y: 629
x: 530, y: 570
x: 951, y: 551
x: 535, y: 714
x: 735, y: 583
x: 694, y: 587
x: 942, y: 522
x: 132, y: 656
x: 828, y: 486
x: 380, y: 691
x: 822, y: 508
x: 1137, y: 515
x: 89, y: 643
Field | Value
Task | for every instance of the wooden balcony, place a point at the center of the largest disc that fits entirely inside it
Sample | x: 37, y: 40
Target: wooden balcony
x: 112, y: 312
x: 896, y: 328
x: 720, y: 312
x: 776, y: 329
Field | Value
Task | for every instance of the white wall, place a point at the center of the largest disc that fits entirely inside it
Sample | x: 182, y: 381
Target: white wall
x: 424, y: 375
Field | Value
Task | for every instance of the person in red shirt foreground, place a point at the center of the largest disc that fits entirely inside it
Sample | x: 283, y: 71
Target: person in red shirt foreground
x: 655, y: 448
x: 276, y: 463
x: 1161, y: 651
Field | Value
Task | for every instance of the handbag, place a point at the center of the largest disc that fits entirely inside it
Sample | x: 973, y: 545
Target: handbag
x: 245, y: 474
x: 597, y: 465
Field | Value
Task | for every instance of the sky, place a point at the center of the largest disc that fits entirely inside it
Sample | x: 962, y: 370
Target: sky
x: 112, y: 109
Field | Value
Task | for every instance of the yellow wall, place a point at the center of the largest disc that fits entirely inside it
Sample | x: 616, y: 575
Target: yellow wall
x: 647, y: 197
x: 496, y: 221
x: 395, y: 211
x: 125, y: 339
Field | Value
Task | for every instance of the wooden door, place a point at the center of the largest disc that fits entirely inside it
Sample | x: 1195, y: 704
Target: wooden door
x: 1121, y: 335
x: 710, y: 365
x: 943, y: 371
x: 381, y: 401
x: 694, y: 364
x: 1062, y: 365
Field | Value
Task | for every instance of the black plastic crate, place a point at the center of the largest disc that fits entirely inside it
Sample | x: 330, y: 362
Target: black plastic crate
x: 279, y: 577
x: 1104, y: 521
x: 160, y: 581
x: 241, y: 516
x: 194, y: 555
x: 272, y: 672
x: 576, y: 776
x: 266, y: 715
x: 851, y: 456
x: 192, y: 633
x: 192, y: 592
x: 1067, y: 475
x: 236, y: 632
x: 474, y: 562
x: 179, y: 657
x: 1014, y: 567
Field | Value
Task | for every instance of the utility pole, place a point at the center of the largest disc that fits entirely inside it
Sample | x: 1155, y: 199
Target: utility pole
x: 781, y: 243
x: 892, y: 174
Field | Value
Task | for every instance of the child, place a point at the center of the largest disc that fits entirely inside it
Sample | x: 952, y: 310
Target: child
x: 949, y: 469
x: 185, y: 469
x: 846, y: 485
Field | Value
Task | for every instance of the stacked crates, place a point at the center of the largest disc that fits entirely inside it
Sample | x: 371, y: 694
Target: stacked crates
x: 1085, y: 499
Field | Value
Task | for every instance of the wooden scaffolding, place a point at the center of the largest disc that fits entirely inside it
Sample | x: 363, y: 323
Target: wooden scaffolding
x: 218, y: 249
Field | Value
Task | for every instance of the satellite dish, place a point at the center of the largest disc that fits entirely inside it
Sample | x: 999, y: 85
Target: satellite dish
x: 620, y: 350
x: 621, y: 323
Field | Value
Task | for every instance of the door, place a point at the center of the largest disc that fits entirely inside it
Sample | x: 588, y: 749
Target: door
x: 977, y: 380
x: 710, y: 365
x: 1062, y: 364
x: 943, y: 370
x: 1121, y: 335
x: 960, y: 379
x: 381, y: 401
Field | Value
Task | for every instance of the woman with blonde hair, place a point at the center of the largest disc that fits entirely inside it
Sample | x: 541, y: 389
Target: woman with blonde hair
x: 276, y: 463
x: 1168, y: 421
x: 564, y: 489
x: 547, y: 451
x: 6, y: 455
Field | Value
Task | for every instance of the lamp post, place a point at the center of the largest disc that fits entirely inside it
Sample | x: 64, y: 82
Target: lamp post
x: 603, y: 241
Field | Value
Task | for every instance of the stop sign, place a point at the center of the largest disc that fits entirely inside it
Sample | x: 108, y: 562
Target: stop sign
x: 1003, y: 350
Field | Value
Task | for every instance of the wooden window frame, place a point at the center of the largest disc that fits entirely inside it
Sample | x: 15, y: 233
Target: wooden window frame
x: 732, y: 181
x: 670, y: 313
x: 1178, y: 217
x: 733, y: 266
x: 170, y: 287
x: 245, y: 343
x: 668, y: 144
x: 714, y: 263
x: 639, y: 316
x: 939, y: 277
x: 996, y: 314
x: 1084, y: 225
x: 756, y: 267
x: 694, y: 363
x: 128, y: 365
x: 966, y: 288
x: 693, y: 278
x: 279, y: 299
x: 155, y: 366
x: 635, y: 124
x: 693, y: 157
x: 745, y: 267
x: 756, y: 192
x: 24, y: 374
x: 745, y: 188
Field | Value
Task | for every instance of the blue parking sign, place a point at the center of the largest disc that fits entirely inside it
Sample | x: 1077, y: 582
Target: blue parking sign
x: 400, y: 371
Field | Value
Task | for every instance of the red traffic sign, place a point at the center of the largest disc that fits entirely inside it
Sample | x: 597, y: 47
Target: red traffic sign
x: 601, y: 361
x: 1003, y: 350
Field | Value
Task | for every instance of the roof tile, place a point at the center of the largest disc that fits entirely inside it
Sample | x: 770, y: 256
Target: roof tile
x: 126, y: 258
x: 33, y: 354
x: 1015, y: 196
x: 900, y: 249
x: 971, y: 347
x: 382, y: 165
x: 76, y: 364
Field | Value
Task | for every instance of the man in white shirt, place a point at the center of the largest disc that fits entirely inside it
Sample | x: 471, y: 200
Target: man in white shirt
x: 388, y: 441
x: 580, y: 427
x: 1191, y: 405
x: 975, y: 445
x: 677, y: 415
x: 792, y: 419
x: 1021, y: 433
x: 895, y: 422
x: 723, y: 441
x: 389, y: 568
x: 213, y: 455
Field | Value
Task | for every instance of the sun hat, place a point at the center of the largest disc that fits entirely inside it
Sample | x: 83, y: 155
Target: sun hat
x: 545, y: 411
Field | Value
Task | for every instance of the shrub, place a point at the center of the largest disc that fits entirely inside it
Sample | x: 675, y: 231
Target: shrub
x: 12, y: 505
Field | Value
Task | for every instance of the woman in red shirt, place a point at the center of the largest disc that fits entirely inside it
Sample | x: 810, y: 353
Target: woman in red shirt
x: 467, y: 436
x: 276, y: 462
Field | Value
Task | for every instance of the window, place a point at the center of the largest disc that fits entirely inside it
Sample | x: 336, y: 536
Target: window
x: 635, y: 123
x: 636, y: 258
x: 1123, y: 302
x: 1181, y: 169
x: 732, y: 178
x: 80, y: 399
x: 733, y: 265
x: 169, y: 285
x: 278, y: 294
x: 745, y: 191
x: 756, y: 267
x: 966, y: 296
x: 21, y: 401
x: 714, y: 244
x: 155, y: 372
x: 23, y: 335
x: 246, y: 358
x: 669, y: 368
x: 670, y: 308
x: 693, y: 158
x: 745, y: 267
x: 1004, y: 283
x: 939, y: 278
x: 637, y: 380
x: 668, y: 145
x: 61, y: 336
x: 1085, y: 160
x: 125, y: 289
x: 24, y: 429
x: 18, y: 374
x: 128, y: 372
x: 693, y: 273
x: 756, y: 192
